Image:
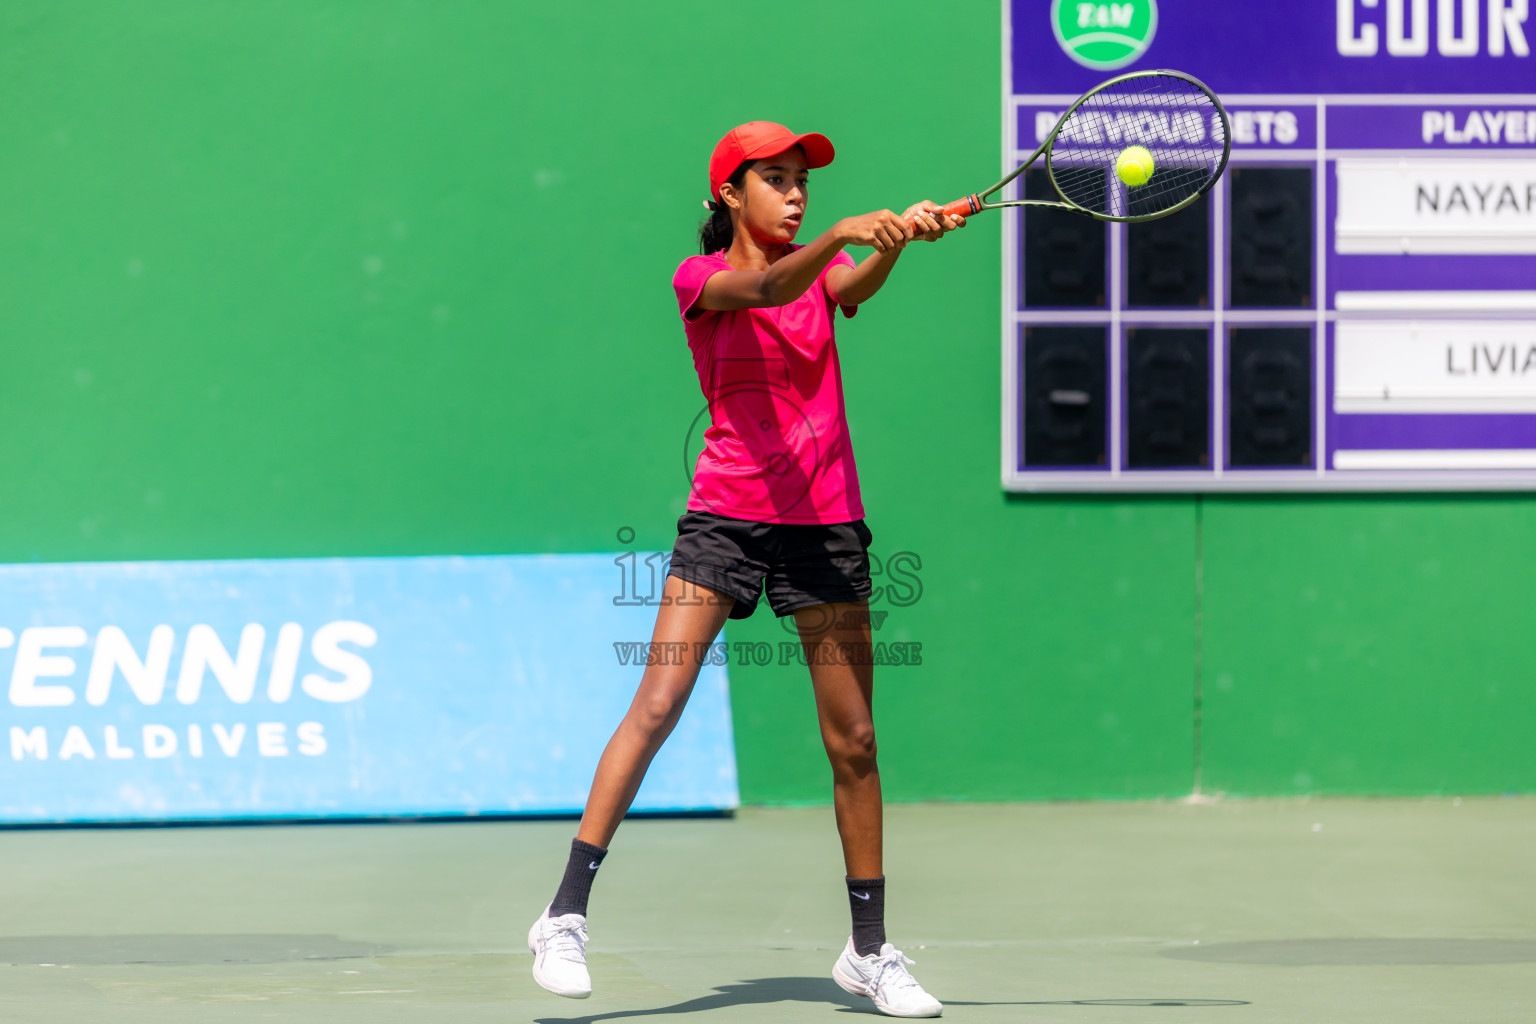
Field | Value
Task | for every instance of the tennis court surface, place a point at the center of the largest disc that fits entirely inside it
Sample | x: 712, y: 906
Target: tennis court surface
x: 1244, y: 912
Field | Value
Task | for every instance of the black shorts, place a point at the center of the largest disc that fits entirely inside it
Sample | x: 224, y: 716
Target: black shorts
x: 803, y: 565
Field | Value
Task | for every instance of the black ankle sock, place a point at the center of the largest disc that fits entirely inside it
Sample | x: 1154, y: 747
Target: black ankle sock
x: 571, y: 897
x: 866, y: 899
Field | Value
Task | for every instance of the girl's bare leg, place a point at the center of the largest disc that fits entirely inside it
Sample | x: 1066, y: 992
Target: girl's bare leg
x: 691, y: 615
x: 835, y: 638
x: 836, y: 641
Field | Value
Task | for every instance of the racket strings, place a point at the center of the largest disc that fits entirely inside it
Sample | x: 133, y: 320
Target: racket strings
x: 1176, y: 121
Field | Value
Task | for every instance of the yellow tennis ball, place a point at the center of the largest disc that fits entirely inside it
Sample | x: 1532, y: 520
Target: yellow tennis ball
x: 1134, y: 166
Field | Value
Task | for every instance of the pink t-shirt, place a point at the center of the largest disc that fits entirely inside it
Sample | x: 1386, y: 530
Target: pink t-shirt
x: 777, y: 450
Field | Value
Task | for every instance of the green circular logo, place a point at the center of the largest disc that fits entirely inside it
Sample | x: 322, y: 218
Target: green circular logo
x: 1104, y: 34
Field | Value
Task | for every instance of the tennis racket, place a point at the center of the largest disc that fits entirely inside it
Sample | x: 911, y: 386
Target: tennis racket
x: 1170, y: 114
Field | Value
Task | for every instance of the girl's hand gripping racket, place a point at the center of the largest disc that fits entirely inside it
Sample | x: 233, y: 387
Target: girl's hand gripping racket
x: 1138, y: 147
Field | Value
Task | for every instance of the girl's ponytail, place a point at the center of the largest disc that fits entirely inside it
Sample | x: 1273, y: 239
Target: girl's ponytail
x: 716, y: 231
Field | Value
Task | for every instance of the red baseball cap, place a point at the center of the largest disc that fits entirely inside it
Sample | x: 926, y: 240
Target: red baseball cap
x: 756, y: 140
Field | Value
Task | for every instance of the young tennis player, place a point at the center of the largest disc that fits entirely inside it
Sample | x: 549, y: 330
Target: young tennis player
x: 775, y: 501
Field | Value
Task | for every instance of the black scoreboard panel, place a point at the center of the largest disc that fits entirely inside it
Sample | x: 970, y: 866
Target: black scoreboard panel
x: 1168, y: 392
x: 1064, y: 370
x: 1064, y: 252
x: 1168, y: 261
x: 1270, y: 396
x: 1271, y: 237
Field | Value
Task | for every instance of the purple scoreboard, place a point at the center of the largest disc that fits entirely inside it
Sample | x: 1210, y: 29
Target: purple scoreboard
x: 1352, y: 307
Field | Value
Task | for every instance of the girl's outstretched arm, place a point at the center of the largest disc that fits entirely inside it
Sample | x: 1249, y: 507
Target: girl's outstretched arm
x: 789, y: 277
x: 850, y: 286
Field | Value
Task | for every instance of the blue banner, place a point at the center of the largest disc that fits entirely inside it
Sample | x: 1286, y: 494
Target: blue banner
x: 351, y: 687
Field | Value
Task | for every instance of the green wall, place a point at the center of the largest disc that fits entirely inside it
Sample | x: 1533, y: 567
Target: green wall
x: 1369, y: 645
x: 326, y: 278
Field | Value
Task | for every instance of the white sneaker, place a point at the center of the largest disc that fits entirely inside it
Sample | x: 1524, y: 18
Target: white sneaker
x: 559, y: 947
x: 883, y: 976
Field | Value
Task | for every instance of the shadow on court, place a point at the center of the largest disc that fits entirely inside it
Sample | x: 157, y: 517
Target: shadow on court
x: 825, y: 990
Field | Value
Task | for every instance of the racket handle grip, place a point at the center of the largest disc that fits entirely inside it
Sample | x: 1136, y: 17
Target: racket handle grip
x: 963, y: 207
